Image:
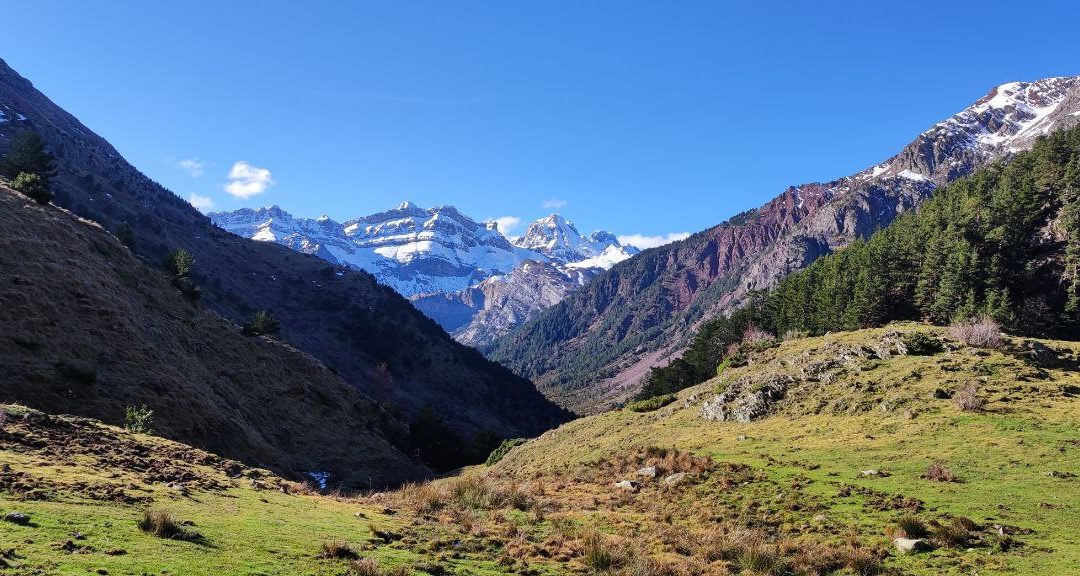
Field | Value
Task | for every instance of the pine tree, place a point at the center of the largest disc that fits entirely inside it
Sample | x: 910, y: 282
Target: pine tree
x: 28, y: 154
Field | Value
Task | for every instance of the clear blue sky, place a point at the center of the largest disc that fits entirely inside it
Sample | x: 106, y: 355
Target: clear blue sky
x: 642, y: 117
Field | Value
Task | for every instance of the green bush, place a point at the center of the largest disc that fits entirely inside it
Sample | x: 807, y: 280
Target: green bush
x: 922, y: 344
x: 498, y: 453
x: 139, y: 419
x: 180, y: 265
x: 262, y: 323
x: 650, y: 404
x: 33, y: 186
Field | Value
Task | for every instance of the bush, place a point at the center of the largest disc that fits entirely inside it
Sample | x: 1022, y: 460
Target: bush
x: 262, y: 323
x: 163, y: 524
x: 139, y: 419
x: 33, y: 186
x: 180, y: 265
x: 938, y: 472
x: 955, y: 534
x: 921, y: 344
x: 982, y: 332
x: 967, y: 399
x: 650, y: 404
x: 27, y: 154
x: 498, y: 453
x: 337, y: 550
x: 911, y: 526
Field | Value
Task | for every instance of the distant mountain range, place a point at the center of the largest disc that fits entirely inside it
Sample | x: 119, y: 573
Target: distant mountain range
x: 466, y: 275
x: 592, y: 349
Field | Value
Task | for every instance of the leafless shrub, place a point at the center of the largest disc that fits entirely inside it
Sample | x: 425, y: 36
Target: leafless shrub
x: 753, y: 335
x: 982, y: 332
x: 967, y: 399
x: 938, y: 472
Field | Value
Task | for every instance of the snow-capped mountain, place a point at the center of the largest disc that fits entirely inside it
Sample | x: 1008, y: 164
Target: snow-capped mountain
x: 668, y: 291
x: 439, y: 254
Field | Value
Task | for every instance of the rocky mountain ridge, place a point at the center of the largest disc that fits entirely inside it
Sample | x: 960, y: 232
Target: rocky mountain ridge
x: 591, y: 350
x: 464, y: 274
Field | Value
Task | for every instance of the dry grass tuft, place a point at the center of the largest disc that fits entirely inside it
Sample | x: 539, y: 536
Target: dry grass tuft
x: 164, y: 524
x: 337, y: 550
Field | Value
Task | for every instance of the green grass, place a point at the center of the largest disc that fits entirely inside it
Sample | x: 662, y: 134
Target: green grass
x: 1003, y: 453
x: 795, y: 473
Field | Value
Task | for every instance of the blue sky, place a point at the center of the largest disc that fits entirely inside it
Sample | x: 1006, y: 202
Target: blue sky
x: 645, y: 118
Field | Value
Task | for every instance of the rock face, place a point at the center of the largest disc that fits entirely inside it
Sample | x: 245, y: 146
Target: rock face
x: 365, y: 332
x: 591, y: 351
x: 465, y: 275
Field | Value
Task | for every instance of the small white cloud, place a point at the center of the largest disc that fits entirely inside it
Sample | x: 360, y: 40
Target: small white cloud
x: 194, y: 166
x: 246, y: 180
x: 507, y: 224
x: 554, y: 203
x: 201, y: 203
x: 642, y: 242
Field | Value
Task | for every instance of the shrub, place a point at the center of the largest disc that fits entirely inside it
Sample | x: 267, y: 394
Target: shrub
x: 33, y: 186
x: 955, y: 534
x: 967, y: 398
x: 139, y: 419
x: 180, y: 263
x: 938, y: 472
x: 921, y: 344
x: 982, y: 332
x: 911, y: 526
x: 126, y: 235
x: 163, y: 524
x: 498, y: 453
x: 261, y: 323
x: 337, y: 550
x: 754, y: 335
x: 650, y: 404
x: 77, y: 371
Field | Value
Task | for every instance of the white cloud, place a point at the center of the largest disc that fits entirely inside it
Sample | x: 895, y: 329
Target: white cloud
x: 554, y: 203
x: 246, y: 180
x: 194, y: 166
x: 507, y: 224
x: 201, y: 203
x: 643, y: 242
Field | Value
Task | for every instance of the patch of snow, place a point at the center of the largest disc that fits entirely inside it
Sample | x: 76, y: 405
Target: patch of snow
x: 912, y: 175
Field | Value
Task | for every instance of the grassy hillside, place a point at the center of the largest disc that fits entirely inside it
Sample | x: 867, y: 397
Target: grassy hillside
x: 90, y: 329
x: 820, y: 482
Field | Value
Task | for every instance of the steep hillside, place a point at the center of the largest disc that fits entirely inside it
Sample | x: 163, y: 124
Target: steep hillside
x: 856, y: 447
x: 369, y: 335
x: 591, y: 350
x: 90, y: 329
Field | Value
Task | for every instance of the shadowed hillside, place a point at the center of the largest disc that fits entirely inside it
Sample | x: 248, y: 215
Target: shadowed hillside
x: 90, y: 329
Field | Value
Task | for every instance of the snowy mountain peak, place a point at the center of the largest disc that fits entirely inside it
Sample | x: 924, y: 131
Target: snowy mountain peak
x: 560, y: 240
